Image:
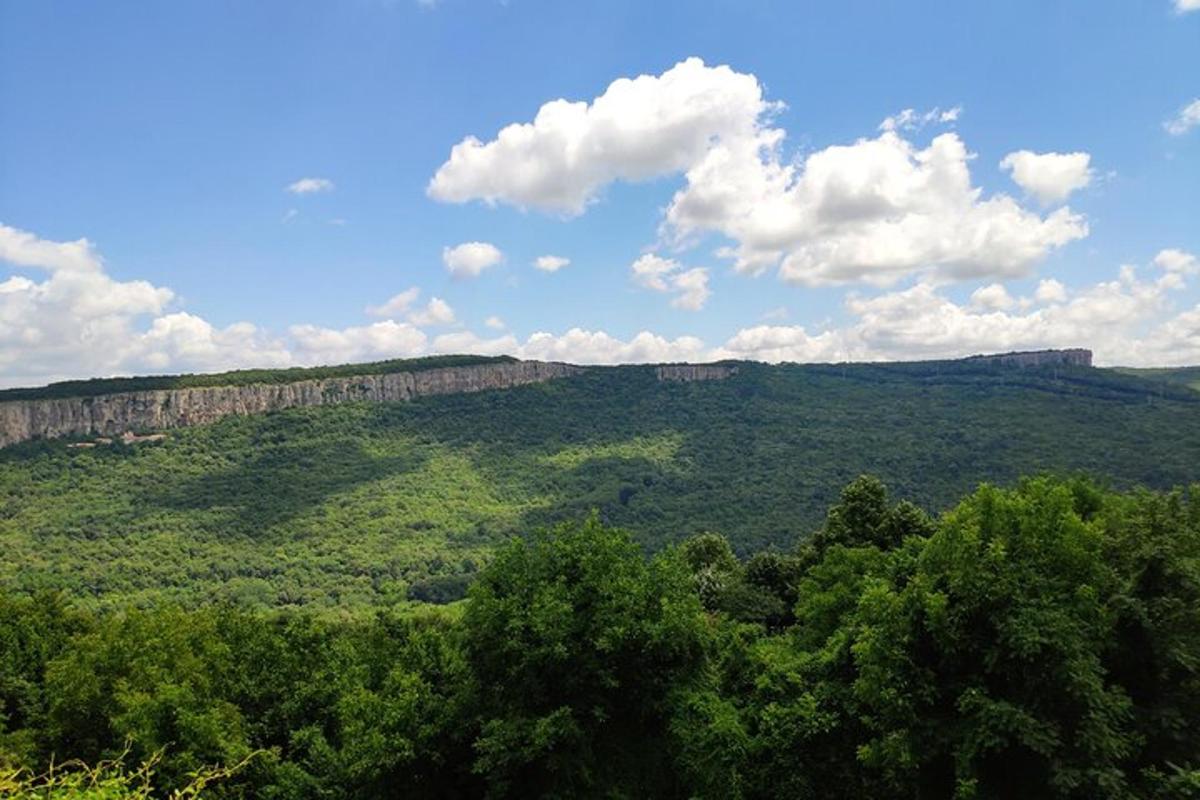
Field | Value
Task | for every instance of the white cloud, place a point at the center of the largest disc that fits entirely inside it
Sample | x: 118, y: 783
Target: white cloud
x: 911, y: 120
x: 436, y: 312
x: 26, y: 250
x: 873, y: 211
x: 184, y: 342
x: 692, y: 288
x: 551, y: 263
x: 310, y: 186
x: 1049, y: 177
x: 1129, y: 320
x: 79, y: 321
x: 775, y: 343
x: 652, y: 271
x: 1187, y: 118
x: 636, y: 130
x: 396, y: 305
x: 876, y: 210
x: 468, y: 342
x: 993, y: 297
x: 1184, y: 6
x: 597, y: 347
x: 470, y: 259
x: 1050, y: 291
x: 578, y: 346
x: 1178, y: 261
x: 667, y: 275
x: 495, y: 323
x: 313, y: 344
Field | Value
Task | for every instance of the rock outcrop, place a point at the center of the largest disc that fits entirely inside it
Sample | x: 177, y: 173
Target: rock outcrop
x: 115, y: 414
x: 1074, y: 357
x: 695, y: 372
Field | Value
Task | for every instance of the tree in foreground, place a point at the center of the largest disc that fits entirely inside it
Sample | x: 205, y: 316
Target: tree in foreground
x: 576, y: 643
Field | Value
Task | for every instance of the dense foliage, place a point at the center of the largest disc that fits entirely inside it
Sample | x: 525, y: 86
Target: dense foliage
x: 376, y: 505
x: 241, y: 377
x: 1182, y: 376
x: 1042, y: 641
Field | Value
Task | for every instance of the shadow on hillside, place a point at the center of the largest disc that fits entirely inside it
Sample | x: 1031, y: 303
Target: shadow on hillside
x: 276, y: 485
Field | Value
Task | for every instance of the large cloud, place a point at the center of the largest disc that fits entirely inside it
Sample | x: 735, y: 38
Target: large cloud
x: 70, y: 319
x: 874, y: 210
x: 1128, y: 320
x: 637, y: 129
x: 73, y: 320
x: 312, y: 344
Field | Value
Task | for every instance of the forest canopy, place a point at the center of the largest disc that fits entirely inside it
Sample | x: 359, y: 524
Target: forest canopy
x: 374, y: 506
x: 1038, y: 641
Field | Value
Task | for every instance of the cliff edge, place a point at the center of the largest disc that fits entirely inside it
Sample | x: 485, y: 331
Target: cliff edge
x: 160, y: 409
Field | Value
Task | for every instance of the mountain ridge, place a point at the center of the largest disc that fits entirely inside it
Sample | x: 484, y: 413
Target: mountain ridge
x: 100, y: 407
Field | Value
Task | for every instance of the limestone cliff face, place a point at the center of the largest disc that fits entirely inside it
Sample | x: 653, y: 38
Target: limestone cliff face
x: 113, y: 414
x: 694, y: 372
x: 1076, y: 357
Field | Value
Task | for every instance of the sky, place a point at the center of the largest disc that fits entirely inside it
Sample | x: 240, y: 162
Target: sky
x: 204, y: 185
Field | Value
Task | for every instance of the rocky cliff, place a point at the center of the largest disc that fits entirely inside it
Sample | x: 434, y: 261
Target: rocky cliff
x: 695, y: 372
x: 1075, y: 357
x: 114, y: 414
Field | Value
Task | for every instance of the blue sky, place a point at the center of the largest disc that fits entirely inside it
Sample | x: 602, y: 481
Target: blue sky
x: 746, y: 203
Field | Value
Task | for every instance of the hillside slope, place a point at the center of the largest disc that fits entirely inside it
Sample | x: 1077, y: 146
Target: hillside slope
x: 369, y: 504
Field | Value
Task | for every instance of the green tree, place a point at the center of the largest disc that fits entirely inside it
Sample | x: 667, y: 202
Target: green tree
x: 575, y: 642
x: 982, y: 674
x: 153, y: 680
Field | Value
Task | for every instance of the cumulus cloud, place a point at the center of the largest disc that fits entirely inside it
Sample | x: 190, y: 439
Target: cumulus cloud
x: 470, y: 259
x: 1050, y: 291
x: 396, y: 305
x: 1177, y: 261
x: 993, y: 297
x: 637, y: 129
x: 667, y: 275
x: 70, y: 319
x: 495, y: 323
x: 469, y: 342
x: 436, y: 312
x: 1184, y: 6
x: 312, y: 344
x: 597, y: 347
x: 26, y: 250
x: 1128, y: 320
x: 1049, y: 177
x: 875, y: 210
x: 551, y: 263
x: 185, y: 342
x: 74, y: 320
x: 1187, y: 118
x: 310, y: 186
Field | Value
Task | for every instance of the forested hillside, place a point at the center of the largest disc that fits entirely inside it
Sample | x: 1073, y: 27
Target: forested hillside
x: 1038, y: 642
x: 362, y: 505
